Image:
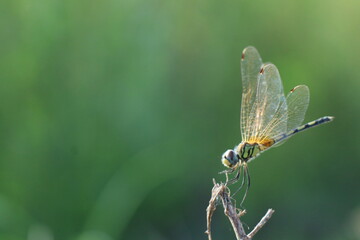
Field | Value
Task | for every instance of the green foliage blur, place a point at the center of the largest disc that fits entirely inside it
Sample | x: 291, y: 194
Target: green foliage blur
x: 114, y: 116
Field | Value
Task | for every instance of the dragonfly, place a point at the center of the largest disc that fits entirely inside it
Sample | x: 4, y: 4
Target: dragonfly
x: 267, y: 117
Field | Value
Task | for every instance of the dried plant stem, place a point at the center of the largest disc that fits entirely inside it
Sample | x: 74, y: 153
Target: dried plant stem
x: 261, y: 223
x: 220, y: 191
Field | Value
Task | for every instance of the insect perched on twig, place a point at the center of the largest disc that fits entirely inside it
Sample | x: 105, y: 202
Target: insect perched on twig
x: 267, y: 117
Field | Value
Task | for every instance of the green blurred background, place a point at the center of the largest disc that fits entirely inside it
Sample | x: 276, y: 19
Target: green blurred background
x: 114, y: 116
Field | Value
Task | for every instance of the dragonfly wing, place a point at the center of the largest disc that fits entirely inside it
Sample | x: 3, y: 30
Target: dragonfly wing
x: 298, y: 101
x: 269, y: 106
x: 250, y: 67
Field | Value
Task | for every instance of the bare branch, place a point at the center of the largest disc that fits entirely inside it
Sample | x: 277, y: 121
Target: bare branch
x: 261, y: 223
x: 230, y: 212
x: 221, y: 192
x: 212, y: 206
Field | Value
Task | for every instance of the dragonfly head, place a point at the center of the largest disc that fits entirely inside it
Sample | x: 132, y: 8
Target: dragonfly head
x: 230, y: 158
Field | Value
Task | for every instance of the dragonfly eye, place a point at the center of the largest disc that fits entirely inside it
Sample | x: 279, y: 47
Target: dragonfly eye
x: 229, y: 158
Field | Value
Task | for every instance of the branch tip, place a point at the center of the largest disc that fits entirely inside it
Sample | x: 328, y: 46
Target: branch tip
x: 221, y: 191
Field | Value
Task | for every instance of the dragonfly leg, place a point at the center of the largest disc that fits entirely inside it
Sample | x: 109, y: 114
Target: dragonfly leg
x: 246, y: 172
x: 235, y: 179
x: 242, y: 181
x: 227, y: 171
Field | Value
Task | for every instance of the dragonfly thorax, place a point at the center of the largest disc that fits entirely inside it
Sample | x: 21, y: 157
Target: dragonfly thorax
x: 247, y: 151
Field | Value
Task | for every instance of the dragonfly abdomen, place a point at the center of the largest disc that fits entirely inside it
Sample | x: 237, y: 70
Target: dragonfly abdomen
x: 303, y: 127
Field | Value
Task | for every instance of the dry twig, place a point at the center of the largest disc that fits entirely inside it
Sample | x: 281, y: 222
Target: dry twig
x: 220, y: 191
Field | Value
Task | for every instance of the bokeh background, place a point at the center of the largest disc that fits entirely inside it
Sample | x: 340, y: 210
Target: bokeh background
x: 114, y: 115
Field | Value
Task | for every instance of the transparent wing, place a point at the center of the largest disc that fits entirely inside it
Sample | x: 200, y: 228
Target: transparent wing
x: 250, y: 67
x: 297, y: 102
x: 270, y: 105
